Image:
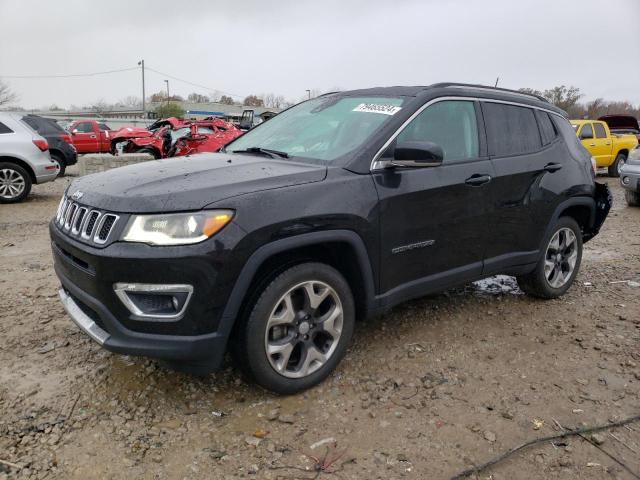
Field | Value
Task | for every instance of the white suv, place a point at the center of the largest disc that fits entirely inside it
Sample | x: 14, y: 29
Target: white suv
x: 24, y: 159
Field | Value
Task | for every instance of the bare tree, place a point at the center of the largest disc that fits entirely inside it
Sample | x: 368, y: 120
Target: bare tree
x: 6, y: 95
x: 226, y: 100
x: 197, y: 98
x: 100, y: 106
x: 130, y: 101
x: 272, y: 100
x: 253, y: 101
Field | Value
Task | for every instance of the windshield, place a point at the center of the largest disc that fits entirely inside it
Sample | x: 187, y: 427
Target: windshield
x: 322, y: 129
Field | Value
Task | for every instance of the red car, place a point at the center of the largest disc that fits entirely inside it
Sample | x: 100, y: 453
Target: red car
x: 173, y: 137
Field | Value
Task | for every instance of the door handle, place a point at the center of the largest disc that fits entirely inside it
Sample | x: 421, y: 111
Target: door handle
x: 477, y: 180
x: 92, y: 136
x: 592, y: 144
x: 552, y: 167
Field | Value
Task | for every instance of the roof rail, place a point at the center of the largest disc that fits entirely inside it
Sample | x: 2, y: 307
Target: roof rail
x: 487, y: 87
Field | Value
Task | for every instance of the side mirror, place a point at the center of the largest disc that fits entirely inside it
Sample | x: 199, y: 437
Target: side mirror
x: 417, y: 154
x: 74, y: 131
x: 586, y: 136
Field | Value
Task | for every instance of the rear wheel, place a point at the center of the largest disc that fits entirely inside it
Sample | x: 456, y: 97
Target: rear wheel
x: 632, y: 198
x: 559, y: 263
x: 616, y: 166
x: 61, y: 163
x: 297, y: 330
x: 15, y: 183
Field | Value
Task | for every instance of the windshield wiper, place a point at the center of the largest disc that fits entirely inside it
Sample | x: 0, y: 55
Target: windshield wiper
x: 266, y: 151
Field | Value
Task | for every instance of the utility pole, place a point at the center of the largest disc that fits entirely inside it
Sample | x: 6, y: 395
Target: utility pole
x: 167, y: 82
x: 141, y: 63
x: 308, y: 93
x: 497, y: 80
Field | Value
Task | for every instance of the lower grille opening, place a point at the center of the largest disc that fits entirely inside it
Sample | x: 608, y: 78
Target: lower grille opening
x: 75, y: 260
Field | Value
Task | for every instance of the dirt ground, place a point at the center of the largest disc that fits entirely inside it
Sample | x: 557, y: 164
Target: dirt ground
x: 434, y: 387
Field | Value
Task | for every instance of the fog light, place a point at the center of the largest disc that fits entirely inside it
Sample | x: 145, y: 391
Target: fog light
x: 154, y: 301
x: 626, y: 180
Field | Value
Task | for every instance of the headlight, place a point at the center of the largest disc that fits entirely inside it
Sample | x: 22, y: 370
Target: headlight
x: 176, y: 228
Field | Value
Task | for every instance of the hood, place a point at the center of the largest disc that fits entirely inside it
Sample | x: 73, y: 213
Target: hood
x: 131, y: 132
x: 189, y: 183
x: 621, y: 121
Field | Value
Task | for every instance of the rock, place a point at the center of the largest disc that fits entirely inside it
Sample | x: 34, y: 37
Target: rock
x: 286, y: 419
x: 252, y: 441
x: 565, y: 462
x: 272, y: 414
x: 401, y: 457
x: 597, y: 438
x: 508, y: 415
x: 253, y: 469
x: 489, y: 436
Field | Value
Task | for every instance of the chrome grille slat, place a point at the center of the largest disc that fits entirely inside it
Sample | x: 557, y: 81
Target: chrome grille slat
x: 78, y: 221
x: 90, y: 225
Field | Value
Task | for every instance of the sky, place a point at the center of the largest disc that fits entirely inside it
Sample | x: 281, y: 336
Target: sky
x: 288, y: 46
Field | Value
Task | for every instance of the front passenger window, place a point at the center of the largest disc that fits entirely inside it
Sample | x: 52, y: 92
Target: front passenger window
x: 451, y: 124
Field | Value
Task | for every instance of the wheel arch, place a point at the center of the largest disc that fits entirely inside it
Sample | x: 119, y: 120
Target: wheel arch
x: 581, y: 209
x: 341, y: 249
x: 21, y: 163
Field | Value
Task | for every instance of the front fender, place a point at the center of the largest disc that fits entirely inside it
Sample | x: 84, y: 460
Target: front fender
x: 263, y: 253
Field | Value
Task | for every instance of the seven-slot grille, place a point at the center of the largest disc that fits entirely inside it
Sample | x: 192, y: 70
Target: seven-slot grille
x: 83, y: 222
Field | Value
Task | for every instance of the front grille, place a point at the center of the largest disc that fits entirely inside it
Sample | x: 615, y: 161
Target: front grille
x: 78, y: 221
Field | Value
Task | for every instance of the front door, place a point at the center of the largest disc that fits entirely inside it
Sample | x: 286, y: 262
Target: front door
x: 602, y: 148
x: 433, y: 220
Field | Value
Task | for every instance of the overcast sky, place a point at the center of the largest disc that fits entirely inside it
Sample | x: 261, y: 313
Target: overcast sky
x: 288, y: 46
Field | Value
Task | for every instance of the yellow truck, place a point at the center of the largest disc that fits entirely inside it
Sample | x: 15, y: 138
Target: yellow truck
x: 608, y: 150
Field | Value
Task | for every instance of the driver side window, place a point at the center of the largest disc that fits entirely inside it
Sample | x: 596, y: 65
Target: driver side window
x: 451, y: 124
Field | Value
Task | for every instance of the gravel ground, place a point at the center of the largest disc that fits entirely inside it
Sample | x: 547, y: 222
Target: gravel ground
x: 434, y: 387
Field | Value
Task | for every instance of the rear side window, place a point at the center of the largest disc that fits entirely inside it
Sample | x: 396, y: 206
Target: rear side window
x: 84, y: 127
x: 103, y: 127
x: 587, y: 131
x: 4, y: 129
x: 450, y: 124
x: 547, y: 128
x: 600, y: 132
x: 511, y: 130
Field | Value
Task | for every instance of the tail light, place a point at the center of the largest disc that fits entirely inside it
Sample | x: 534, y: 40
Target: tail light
x: 66, y: 138
x: 594, y: 166
x: 41, y: 144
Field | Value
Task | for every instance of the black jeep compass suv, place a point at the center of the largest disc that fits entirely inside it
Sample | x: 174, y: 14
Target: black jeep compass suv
x: 338, y: 208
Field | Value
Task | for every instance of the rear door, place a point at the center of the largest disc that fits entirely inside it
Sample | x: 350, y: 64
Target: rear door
x: 601, y: 149
x: 433, y: 221
x: 84, y: 138
x: 522, y: 153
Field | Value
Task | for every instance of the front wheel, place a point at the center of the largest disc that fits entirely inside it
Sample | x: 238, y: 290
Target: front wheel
x: 616, y: 166
x: 297, y: 330
x: 559, y: 263
x: 632, y: 198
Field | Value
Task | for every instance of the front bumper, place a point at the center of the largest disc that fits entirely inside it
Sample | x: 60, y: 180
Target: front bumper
x: 630, y: 174
x: 88, y: 275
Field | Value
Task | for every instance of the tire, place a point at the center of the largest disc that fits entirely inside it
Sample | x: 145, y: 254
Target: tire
x: 614, y: 168
x: 311, y: 352
x: 13, y: 177
x: 632, y: 198
x: 61, y: 163
x: 547, y: 281
x: 150, y: 151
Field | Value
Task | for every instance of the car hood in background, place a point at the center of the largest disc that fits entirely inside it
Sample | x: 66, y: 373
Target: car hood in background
x: 620, y: 121
x: 189, y: 183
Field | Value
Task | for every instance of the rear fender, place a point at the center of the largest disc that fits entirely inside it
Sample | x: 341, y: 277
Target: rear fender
x: 604, y: 202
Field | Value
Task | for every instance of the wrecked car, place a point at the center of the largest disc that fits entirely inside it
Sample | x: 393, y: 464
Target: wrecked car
x: 173, y: 137
x: 338, y: 208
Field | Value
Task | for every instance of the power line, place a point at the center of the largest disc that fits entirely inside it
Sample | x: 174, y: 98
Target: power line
x: 73, y: 75
x: 194, y: 84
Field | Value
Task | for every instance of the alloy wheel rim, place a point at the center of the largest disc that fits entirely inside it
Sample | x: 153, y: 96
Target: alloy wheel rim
x: 621, y: 163
x: 304, y: 329
x: 561, y: 256
x: 12, y: 183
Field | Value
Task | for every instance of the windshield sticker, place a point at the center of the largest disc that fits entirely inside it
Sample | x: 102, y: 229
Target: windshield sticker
x: 375, y: 108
